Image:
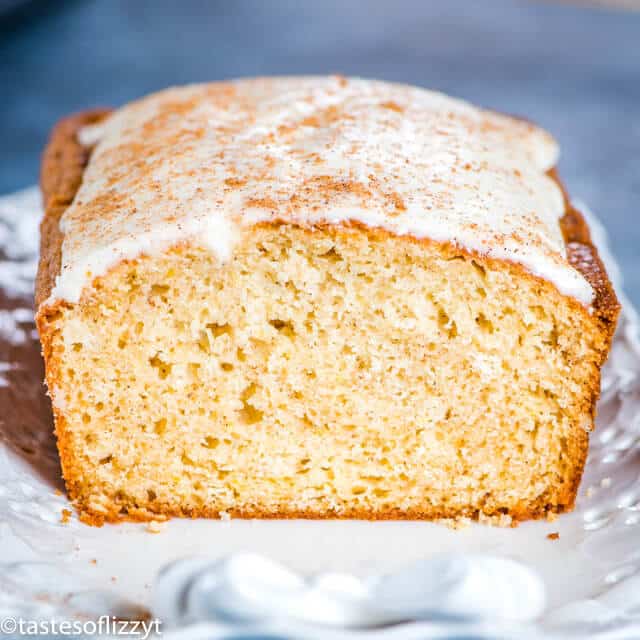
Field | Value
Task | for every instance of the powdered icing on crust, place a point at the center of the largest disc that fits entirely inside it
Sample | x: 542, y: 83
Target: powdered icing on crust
x: 201, y: 162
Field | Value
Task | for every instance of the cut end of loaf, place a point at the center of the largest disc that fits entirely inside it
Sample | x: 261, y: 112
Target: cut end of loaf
x: 327, y: 373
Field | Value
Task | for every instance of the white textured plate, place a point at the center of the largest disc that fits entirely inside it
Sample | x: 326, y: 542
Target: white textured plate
x: 382, y: 580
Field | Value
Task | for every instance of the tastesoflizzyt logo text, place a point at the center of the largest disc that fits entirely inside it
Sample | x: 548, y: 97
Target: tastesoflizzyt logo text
x: 104, y: 626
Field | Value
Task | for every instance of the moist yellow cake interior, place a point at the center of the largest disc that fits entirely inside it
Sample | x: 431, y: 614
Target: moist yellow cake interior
x: 334, y: 372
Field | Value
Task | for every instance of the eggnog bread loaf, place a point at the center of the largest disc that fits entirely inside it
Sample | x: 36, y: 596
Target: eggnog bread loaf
x: 319, y: 298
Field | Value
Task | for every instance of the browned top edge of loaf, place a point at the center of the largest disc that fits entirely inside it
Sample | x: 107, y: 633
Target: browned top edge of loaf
x: 65, y: 159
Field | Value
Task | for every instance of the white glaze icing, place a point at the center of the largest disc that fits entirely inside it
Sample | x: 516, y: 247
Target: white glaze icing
x: 90, y: 135
x: 201, y: 162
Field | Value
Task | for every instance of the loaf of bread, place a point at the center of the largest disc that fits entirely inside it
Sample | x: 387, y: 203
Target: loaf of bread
x: 316, y: 297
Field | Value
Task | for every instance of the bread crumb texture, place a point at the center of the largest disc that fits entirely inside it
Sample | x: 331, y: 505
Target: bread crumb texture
x: 331, y: 372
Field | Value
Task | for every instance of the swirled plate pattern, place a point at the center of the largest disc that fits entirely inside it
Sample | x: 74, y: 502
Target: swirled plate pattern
x: 576, y: 577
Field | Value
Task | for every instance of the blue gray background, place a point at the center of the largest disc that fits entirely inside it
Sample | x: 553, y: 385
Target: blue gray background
x: 574, y: 70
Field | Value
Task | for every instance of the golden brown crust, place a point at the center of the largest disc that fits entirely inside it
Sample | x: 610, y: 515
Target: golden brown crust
x: 537, y: 510
x: 583, y: 256
x: 63, y: 166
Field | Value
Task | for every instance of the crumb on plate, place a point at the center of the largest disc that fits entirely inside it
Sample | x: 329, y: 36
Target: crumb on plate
x: 156, y: 526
